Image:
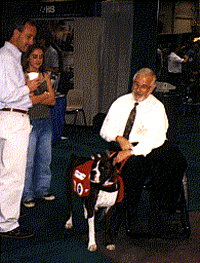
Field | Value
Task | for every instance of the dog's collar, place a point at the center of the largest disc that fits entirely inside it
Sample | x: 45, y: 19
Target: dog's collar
x: 107, y: 187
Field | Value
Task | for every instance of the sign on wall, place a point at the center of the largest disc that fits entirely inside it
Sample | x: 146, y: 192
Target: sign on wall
x: 63, y: 9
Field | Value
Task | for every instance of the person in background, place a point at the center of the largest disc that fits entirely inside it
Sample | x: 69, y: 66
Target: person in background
x: 52, y: 56
x: 175, y: 68
x: 38, y: 172
x: 15, y: 125
x: 51, y: 62
x: 159, y: 61
x: 195, y: 72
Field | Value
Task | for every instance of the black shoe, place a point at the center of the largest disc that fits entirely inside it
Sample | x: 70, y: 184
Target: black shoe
x: 17, y: 233
x: 49, y: 197
x: 29, y: 203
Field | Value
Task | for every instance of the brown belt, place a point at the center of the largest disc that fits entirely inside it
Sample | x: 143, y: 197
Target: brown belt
x: 15, y: 110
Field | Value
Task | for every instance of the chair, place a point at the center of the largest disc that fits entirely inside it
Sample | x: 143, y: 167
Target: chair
x: 75, y: 104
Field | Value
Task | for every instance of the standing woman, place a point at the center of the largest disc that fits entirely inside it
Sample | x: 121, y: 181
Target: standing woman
x: 38, y: 172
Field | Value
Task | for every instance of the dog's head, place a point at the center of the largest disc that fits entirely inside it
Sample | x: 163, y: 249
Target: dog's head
x: 103, y: 171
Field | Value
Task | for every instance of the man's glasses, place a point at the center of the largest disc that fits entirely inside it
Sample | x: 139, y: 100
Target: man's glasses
x: 143, y: 87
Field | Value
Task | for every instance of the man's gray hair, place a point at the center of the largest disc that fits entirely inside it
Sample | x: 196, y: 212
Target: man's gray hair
x: 146, y: 72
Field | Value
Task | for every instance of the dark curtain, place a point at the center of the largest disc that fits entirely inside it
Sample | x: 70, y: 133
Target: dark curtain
x: 144, y: 36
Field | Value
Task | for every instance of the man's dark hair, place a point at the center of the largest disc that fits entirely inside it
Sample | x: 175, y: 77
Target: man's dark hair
x: 16, y: 22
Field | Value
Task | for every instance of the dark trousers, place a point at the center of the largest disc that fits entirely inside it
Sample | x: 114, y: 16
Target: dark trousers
x: 178, y: 80
x: 165, y: 166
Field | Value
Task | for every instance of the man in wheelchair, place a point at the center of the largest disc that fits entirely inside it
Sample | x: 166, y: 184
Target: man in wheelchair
x: 136, y: 126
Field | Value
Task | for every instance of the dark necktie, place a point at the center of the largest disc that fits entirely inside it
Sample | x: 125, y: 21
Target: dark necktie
x: 130, y: 122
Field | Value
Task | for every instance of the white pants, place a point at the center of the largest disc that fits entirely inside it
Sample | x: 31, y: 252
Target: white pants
x: 14, y: 137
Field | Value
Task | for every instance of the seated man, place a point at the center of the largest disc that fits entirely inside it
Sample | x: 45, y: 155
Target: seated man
x: 145, y: 144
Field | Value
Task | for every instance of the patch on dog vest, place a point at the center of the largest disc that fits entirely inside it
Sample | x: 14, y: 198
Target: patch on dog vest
x: 81, y: 178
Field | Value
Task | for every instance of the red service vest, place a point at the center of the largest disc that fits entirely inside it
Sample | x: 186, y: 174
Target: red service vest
x: 81, y: 181
x: 81, y: 178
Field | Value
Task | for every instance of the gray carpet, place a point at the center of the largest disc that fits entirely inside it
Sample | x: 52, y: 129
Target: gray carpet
x: 52, y: 243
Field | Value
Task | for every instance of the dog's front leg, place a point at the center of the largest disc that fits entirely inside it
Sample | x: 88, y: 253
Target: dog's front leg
x: 89, y: 203
x: 109, y: 232
x: 69, y: 183
x: 92, y: 243
x: 69, y: 223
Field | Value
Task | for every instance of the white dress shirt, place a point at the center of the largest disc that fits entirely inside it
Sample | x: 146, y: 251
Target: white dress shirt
x: 175, y: 63
x: 150, y: 126
x: 14, y: 135
x: 13, y: 91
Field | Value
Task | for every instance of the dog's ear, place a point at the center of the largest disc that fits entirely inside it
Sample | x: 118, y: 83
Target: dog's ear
x: 105, y: 154
x: 93, y: 156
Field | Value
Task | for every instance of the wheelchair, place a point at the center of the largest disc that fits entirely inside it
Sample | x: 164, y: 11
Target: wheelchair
x: 178, y: 222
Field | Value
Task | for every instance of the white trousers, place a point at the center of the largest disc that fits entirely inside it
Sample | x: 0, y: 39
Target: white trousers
x: 14, y: 137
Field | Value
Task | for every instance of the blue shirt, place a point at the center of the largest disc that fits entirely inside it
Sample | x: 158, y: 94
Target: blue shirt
x: 51, y: 58
x: 13, y: 91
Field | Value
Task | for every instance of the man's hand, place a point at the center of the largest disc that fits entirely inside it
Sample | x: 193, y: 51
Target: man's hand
x: 122, y: 155
x: 124, y: 143
x: 33, y: 84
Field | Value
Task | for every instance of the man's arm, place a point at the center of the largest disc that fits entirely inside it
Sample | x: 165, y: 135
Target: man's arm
x: 112, y: 129
x: 111, y: 126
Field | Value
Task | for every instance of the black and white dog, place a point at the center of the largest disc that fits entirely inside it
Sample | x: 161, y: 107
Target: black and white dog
x: 101, y: 189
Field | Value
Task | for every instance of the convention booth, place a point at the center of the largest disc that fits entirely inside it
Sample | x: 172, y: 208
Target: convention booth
x: 101, y: 47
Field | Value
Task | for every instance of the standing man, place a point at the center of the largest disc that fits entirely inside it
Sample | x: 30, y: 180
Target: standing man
x: 14, y: 124
x: 145, y: 144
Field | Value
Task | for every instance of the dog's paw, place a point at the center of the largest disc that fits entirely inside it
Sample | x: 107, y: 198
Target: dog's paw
x: 68, y: 225
x: 92, y: 248
x: 85, y: 212
x: 110, y: 247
